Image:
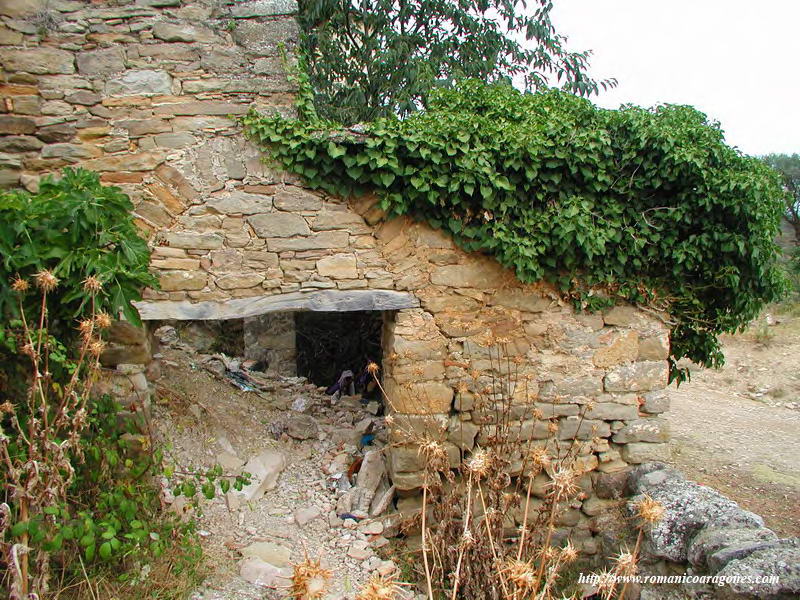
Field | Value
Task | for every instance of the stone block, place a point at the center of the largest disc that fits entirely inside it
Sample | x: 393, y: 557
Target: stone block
x: 612, y: 411
x: 638, y: 377
x: 263, y: 8
x: 240, y: 203
x: 412, y: 428
x: 182, y: 280
x: 293, y: 199
x: 479, y: 274
x: 16, y: 125
x: 405, y: 459
x: 462, y: 433
x: 101, y: 62
x: 624, y: 349
x: 642, y: 452
x: 140, y: 83
x: 653, y: 430
x: 338, y: 266
x: 279, y: 225
x: 194, y: 241
x: 419, y: 398
x: 42, y: 60
x: 20, y: 143
x: 654, y: 347
x: 239, y: 281
x: 521, y: 299
x: 183, y: 32
x: 582, y: 428
x: 175, y: 140
x: 655, y: 402
x: 324, y: 240
x: 624, y: 316
x: 208, y: 107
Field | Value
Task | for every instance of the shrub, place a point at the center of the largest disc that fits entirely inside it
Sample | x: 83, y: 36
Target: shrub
x: 73, y: 227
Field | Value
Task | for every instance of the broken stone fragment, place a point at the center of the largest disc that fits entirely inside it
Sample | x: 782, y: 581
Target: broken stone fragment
x: 264, y: 470
x: 258, y: 572
x: 302, y: 427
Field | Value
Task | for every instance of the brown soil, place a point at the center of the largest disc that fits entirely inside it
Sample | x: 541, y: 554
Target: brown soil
x: 737, y: 429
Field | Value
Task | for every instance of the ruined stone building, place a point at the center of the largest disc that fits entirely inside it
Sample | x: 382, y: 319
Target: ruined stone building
x: 143, y: 92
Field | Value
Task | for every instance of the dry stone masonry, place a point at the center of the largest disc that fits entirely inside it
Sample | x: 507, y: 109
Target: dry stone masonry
x: 144, y: 92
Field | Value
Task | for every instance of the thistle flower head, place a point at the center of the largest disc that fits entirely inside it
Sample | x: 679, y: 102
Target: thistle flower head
x: 102, y: 320
x: 649, y: 510
x: 625, y: 563
x: 564, y: 482
x: 539, y: 457
x: 96, y: 347
x: 569, y: 553
x: 92, y: 284
x: 479, y: 463
x: 46, y: 281
x: 309, y: 580
x: 86, y: 327
x: 373, y: 368
x: 521, y: 574
x: 20, y: 285
x: 379, y: 588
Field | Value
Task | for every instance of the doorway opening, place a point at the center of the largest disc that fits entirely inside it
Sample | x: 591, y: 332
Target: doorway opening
x: 330, y: 343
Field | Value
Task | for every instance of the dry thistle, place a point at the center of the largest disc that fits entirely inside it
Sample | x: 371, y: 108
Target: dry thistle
x: 625, y: 563
x: 648, y: 510
x: 435, y: 455
x: 92, y: 284
x: 96, y: 347
x: 20, y: 285
x: 563, y: 482
x: 569, y: 553
x: 86, y: 327
x: 46, y: 281
x: 479, y: 463
x: 379, y: 588
x: 539, y: 457
x: 373, y: 368
x: 521, y: 574
x: 309, y: 580
x: 102, y: 320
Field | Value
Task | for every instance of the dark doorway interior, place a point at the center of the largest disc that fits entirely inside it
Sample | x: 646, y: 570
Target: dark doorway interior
x: 331, y: 342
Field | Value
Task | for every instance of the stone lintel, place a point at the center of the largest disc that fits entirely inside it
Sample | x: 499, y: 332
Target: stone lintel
x: 237, y: 308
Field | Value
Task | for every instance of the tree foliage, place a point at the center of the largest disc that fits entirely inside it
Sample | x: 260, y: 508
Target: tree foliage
x: 788, y: 165
x: 74, y: 227
x: 374, y: 58
x: 647, y: 205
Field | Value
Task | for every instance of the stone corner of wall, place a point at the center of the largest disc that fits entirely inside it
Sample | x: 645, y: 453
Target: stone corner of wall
x: 703, y: 530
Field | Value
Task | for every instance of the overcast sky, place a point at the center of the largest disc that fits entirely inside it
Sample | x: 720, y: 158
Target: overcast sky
x: 736, y: 60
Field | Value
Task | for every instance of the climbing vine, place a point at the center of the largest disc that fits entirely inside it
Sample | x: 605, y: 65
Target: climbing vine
x: 646, y: 205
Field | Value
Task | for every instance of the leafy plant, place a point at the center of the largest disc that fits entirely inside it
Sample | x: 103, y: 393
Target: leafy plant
x: 73, y: 227
x: 646, y: 205
x: 381, y: 57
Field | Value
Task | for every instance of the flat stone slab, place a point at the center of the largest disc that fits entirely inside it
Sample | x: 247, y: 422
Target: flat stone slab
x: 237, y: 308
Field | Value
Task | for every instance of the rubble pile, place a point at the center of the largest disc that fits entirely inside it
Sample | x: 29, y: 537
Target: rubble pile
x: 318, y: 477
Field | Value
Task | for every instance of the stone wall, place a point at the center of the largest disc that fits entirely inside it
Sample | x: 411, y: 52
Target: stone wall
x: 271, y: 338
x: 142, y: 92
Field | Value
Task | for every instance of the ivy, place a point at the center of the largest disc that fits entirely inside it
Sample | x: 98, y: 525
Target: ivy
x: 646, y: 205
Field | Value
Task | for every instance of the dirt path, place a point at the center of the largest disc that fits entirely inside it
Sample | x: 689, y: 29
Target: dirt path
x: 737, y: 429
